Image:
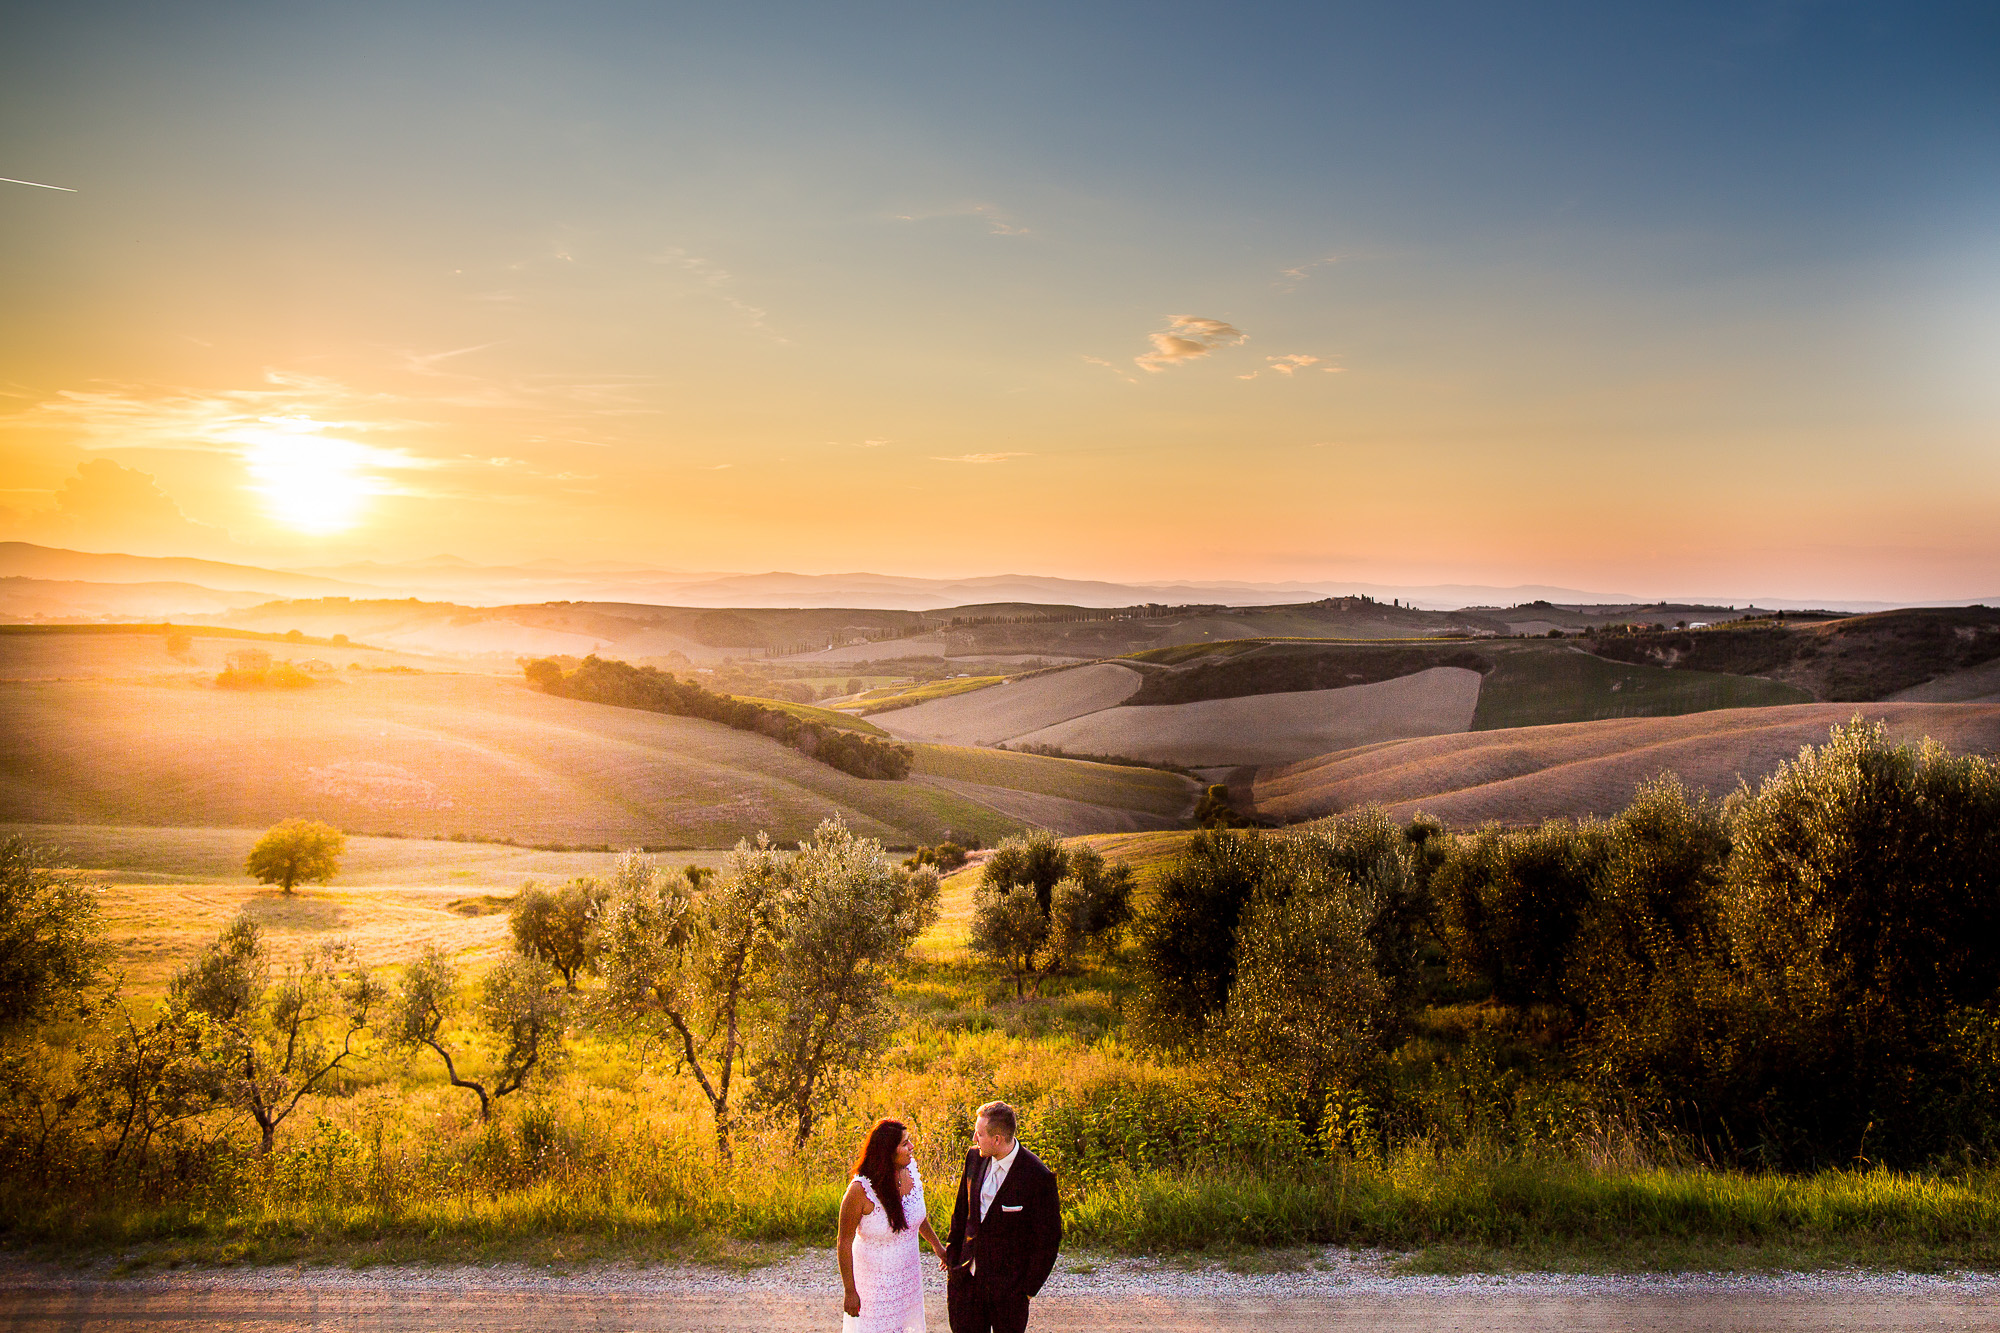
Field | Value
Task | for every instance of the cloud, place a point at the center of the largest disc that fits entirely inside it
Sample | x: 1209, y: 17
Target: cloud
x: 996, y: 219
x: 979, y: 458
x: 717, y: 279
x: 1303, y: 271
x: 1289, y: 365
x: 426, y: 363
x: 106, y: 506
x: 1111, y: 366
x: 1188, y: 338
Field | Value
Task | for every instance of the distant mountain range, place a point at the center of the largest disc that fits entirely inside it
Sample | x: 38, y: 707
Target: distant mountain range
x: 37, y: 581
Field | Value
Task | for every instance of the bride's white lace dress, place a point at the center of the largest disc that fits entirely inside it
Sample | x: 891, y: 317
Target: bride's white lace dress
x: 888, y: 1266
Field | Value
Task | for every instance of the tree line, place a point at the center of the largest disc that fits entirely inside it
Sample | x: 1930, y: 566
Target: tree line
x: 604, y: 681
x: 1801, y: 975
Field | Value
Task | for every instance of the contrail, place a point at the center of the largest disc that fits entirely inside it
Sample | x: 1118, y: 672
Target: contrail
x: 9, y: 180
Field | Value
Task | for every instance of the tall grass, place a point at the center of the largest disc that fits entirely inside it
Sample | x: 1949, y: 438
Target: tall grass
x: 617, y: 1157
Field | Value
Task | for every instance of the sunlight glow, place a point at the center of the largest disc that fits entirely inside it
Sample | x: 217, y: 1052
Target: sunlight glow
x: 310, y: 483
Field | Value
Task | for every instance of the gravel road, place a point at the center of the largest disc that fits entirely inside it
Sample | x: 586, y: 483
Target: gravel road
x: 1346, y: 1292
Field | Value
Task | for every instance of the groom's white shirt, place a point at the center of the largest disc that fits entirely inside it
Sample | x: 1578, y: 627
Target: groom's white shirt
x: 996, y: 1175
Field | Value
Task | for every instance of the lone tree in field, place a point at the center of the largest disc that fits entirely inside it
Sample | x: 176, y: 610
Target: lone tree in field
x: 298, y: 849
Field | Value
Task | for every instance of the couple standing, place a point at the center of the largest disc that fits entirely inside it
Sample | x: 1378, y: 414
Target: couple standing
x: 1006, y: 1225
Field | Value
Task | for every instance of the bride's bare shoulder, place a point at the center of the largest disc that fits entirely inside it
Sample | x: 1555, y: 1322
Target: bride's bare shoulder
x: 856, y: 1190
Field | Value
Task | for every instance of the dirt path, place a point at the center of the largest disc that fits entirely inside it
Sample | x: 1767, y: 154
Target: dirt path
x: 691, y: 1301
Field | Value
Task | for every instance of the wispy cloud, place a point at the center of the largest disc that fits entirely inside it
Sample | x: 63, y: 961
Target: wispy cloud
x: 1188, y: 338
x: 998, y: 221
x: 426, y: 363
x: 980, y: 458
x: 1290, y: 365
x: 717, y: 280
x: 1111, y: 366
x: 859, y: 444
x: 1298, y: 275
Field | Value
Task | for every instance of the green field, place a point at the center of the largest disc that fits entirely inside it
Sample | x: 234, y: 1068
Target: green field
x: 812, y: 713
x: 1527, y: 682
x: 893, y: 697
x: 1533, y: 686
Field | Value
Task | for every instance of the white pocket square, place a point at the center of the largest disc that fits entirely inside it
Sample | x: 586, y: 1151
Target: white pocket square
x: 1012, y: 1207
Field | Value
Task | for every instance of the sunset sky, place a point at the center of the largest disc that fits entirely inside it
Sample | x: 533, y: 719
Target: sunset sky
x: 1676, y: 299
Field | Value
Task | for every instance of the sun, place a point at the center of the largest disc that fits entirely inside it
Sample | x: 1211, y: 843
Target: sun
x: 310, y: 483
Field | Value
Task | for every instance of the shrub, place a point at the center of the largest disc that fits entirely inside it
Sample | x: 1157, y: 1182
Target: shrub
x: 1187, y: 943
x: 598, y: 680
x: 1863, y: 910
x: 51, y: 945
x: 1510, y: 904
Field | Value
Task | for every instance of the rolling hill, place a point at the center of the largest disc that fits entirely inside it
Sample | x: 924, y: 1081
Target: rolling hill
x: 1853, y: 658
x: 1247, y: 701
x: 1524, y: 775
x: 94, y: 741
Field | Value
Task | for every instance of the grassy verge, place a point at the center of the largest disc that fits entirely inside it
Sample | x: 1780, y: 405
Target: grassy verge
x: 1446, y: 1217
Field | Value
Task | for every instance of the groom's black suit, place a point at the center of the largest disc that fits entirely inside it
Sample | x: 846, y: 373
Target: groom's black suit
x: 1013, y: 1247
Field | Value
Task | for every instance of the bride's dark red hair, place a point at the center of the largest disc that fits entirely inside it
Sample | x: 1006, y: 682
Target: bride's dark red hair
x: 877, y: 1165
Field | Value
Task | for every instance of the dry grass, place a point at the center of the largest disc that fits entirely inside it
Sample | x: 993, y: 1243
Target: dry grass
x: 167, y: 892
x: 1980, y: 684
x: 1002, y: 712
x: 144, y: 657
x: 1527, y: 774
x: 1275, y: 728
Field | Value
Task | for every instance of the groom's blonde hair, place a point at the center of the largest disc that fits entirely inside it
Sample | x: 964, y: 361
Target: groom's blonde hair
x: 998, y: 1117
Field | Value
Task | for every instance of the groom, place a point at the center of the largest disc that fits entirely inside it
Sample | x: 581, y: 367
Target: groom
x: 1006, y: 1225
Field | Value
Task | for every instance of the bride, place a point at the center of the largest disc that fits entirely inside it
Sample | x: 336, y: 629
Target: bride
x: 884, y: 1210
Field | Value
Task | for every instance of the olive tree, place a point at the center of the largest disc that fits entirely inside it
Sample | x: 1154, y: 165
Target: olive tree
x: 1862, y: 906
x: 271, y: 1042
x: 51, y: 947
x: 1308, y: 1007
x: 690, y: 955
x: 845, y: 920
x: 518, y: 1011
x: 1009, y: 926
x: 1040, y: 904
x: 297, y: 850
x: 560, y: 927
